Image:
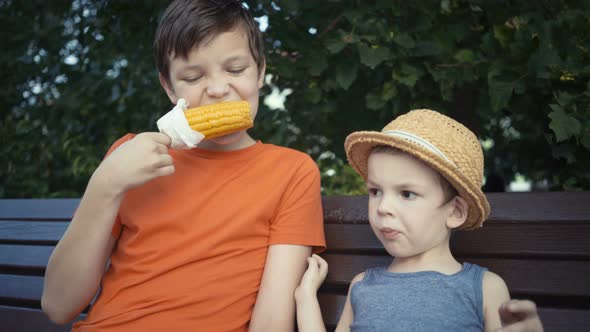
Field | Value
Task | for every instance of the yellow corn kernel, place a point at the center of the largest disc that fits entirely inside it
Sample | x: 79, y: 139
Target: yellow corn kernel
x: 220, y: 119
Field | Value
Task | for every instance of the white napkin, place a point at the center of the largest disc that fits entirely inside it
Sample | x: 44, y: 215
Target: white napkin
x: 175, y: 125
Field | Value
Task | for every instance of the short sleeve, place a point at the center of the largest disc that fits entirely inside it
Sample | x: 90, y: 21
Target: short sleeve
x: 299, y: 218
x: 117, y: 226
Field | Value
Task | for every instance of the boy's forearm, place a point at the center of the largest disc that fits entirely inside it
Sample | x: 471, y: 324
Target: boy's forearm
x: 77, y: 264
x: 309, y: 314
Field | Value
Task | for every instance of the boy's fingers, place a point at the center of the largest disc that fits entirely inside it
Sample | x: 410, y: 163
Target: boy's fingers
x: 520, y: 316
x: 522, y: 306
x: 160, y: 138
x: 506, y: 316
x: 165, y: 160
x: 318, y: 258
x: 312, y: 265
x: 163, y: 171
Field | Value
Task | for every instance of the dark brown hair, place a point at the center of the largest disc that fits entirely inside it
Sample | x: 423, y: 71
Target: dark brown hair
x: 187, y: 23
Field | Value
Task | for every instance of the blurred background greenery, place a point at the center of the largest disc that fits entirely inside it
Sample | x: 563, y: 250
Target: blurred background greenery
x: 77, y: 75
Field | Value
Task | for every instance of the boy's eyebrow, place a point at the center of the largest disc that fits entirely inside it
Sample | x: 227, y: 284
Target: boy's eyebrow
x: 235, y: 57
x: 369, y: 182
x: 190, y: 67
x: 230, y: 59
x: 399, y: 185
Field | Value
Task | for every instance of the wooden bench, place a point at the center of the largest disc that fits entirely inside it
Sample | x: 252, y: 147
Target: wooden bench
x: 538, y: 242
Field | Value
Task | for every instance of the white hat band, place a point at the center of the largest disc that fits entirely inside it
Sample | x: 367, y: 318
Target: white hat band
x: 420, y: 141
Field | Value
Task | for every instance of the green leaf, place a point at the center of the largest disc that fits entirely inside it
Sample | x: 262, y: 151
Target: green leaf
x: 313, y: 95
x: 316, y: 63
x: 500, y: 93
x: 564, y: 98
x: 406, y: 74
x: 289, y: 5
x: 404, y: 40
x: 346, y: 74
x: 427, y: 48
x: 542, y: 61
x: 464, y: 56
x: 563, y: 125
x: 373, y: 101
x: 335, y: 45
x: 502, y: 34
x: 373, y: 56
x: 389, y: 91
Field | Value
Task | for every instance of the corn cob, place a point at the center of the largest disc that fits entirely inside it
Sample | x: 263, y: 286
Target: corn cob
x: 220, y: 119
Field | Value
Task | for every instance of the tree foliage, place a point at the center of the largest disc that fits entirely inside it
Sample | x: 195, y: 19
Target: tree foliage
x: 79, y: 75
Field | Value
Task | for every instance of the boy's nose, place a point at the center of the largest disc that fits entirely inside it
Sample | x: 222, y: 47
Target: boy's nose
x: 385, y: 206
x: 217, y: 88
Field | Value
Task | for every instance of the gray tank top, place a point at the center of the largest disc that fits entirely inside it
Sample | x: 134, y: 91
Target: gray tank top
x: 419, y: 301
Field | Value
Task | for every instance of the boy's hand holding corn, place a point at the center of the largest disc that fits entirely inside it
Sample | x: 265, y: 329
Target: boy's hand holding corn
x: 137, y: 161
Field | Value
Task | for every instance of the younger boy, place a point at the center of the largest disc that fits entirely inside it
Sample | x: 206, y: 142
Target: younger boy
x: 423, y: 174
x: 213, y: 238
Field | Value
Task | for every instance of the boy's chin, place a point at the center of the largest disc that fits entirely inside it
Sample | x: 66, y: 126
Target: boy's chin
x: 228, y: 142
x: 227, y: 139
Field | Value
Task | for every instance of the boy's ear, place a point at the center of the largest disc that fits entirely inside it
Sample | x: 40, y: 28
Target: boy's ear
x: 261, y: 75
x: 458, y: 214
x: 169, y: 90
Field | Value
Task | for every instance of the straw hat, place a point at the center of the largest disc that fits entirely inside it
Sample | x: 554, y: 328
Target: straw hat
x: 441, y: 142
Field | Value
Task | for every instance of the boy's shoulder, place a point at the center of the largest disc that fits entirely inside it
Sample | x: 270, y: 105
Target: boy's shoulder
x: 287, y: 154
x: 127, y: 137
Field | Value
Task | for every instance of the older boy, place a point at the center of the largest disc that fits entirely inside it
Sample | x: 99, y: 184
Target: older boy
x: 213, y: 238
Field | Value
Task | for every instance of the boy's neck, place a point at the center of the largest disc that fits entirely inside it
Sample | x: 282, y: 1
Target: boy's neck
x: 437, y: 259
x: 215, y: 145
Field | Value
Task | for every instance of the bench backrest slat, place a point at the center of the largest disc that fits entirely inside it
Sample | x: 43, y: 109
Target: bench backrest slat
x: 25, y: 319
x: 535, y: 206
x: 38, y: 209
x: 33, y: 232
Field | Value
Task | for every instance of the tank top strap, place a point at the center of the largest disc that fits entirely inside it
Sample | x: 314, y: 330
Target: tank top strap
x: 371, y: 273
x: 474, y: 275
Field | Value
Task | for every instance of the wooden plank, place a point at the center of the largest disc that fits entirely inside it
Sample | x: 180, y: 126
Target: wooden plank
x: 34, y: 232
x: 520, y: 240
x: 559, y: 278
x: 24, y: 257
x: 20, y: 289
x: 38, y: 209
x: 554, y: 319
x: 17, y: 319
x: 534, y: 206
x: 540, y: 206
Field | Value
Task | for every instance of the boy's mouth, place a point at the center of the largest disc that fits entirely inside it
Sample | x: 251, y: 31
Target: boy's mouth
x: 389, y: 233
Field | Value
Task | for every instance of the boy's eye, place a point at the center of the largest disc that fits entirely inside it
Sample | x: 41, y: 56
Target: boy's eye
x: 236, y: 70
x: 374, y: 192
x: 408, y: 194
x: 192, y: 78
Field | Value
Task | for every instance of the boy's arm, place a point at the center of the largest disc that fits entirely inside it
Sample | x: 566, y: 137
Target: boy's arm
x: 77, y: 264
x: 347, y: 316
x: 495, y: 292
x: 520, y: 316
x: 275, y: 304
x: 309, y: 314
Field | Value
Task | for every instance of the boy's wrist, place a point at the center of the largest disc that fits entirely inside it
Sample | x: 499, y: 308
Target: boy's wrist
x: 101, y: 182
x: 303, y: 295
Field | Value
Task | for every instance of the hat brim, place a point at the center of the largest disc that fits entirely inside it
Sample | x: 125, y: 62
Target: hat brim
x: 358, y: 147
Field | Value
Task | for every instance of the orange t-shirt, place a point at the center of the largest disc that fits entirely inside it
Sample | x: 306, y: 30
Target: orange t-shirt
x: 192, y: 246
